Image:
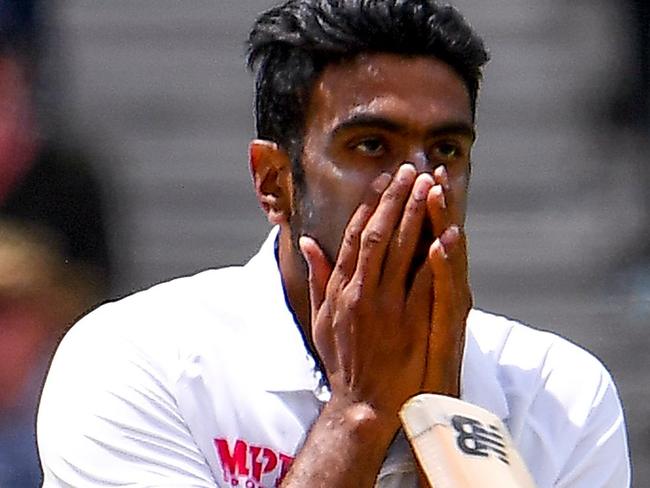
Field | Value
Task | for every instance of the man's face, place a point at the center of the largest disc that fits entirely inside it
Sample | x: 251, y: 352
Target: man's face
x: 367, y: 116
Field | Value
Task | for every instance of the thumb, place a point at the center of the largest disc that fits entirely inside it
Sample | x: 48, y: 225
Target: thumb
x: 319, y: 271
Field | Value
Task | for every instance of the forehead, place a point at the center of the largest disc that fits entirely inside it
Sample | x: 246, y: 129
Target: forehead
x: 414, y: 89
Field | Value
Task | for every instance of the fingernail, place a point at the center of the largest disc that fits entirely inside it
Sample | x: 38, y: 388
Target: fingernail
x: 303, y: 242
x: 422, y: 187
x: 441, y: 174
x: 450, y: 236
x: 381, y: 182
x: 405, y: 171
x: 438, y: 248
x: 440, y: 196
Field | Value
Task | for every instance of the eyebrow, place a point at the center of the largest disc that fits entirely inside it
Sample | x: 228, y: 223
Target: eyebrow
x: 377, y: 122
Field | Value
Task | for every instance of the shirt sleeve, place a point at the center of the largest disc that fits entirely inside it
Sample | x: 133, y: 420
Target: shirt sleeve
x: 600, y: 458
x: 108, y: 416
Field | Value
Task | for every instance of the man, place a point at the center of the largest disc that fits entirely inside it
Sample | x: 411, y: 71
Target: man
x: 290, y: 370
x: 42, y: 290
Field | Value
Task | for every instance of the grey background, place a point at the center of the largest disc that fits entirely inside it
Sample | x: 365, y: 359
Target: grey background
x: 159, y: 89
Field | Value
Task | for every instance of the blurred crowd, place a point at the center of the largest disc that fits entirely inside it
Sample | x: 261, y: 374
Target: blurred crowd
x: 54, y: 258
x: 55, y: 261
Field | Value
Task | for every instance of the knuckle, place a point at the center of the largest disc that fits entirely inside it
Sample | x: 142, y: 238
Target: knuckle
x: 392, y: 194
x: 371, y: 237
x: 352, y: 296
x: 351, y: 235
x: 413, y: 207
x: 341, y: 269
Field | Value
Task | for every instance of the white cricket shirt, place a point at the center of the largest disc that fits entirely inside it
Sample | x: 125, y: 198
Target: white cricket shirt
x: 206, y: 381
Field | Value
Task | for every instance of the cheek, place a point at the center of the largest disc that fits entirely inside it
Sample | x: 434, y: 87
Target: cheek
x: 332, y: 197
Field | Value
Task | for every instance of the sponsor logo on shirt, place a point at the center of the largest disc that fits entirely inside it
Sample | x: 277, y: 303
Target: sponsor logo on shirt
x: 251, y: 466
x: 476, y: 439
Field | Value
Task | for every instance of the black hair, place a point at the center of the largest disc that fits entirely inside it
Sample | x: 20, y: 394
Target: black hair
x: 291, y: 44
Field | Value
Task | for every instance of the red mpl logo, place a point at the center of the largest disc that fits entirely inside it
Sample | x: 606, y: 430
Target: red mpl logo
x: 248, y: 466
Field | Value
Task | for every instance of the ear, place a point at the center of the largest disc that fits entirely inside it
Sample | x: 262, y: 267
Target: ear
x: 270, y: 167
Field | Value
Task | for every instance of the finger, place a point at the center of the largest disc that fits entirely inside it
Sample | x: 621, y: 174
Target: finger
x: 343, y: 341
x: 455, y: 244
x: 447, y: 332
x: 346, y: 260
x: 319, y: 271
x: 322, y: 335
x: 438, y: 210
x: 406, y: 239
x: 454, y: 202
x: 441, y: 177
x: 378, y: 233
x: 442, y: 286
x: 324, y: 339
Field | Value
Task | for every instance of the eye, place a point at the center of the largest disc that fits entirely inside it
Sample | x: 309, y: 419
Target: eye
x: 448, y: 150
x: 370, y: 146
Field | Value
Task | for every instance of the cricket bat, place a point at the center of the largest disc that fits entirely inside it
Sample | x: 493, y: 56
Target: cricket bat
x: 460, y: 445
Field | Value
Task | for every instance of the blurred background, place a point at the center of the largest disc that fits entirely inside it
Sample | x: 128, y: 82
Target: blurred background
x: 123, y: 140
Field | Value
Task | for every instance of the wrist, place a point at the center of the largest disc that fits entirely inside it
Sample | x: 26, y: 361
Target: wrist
x: 361, y: 420
x: 345, y: 446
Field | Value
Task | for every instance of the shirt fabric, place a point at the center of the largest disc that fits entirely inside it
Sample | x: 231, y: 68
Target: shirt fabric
x: 206, y: 381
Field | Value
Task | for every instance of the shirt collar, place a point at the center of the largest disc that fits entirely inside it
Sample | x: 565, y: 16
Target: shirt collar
x: 291, y: 367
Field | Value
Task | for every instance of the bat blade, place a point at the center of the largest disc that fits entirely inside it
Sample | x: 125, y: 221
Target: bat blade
x: 461, y: 445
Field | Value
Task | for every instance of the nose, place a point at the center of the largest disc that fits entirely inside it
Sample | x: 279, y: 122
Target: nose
x: 421, y: 161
